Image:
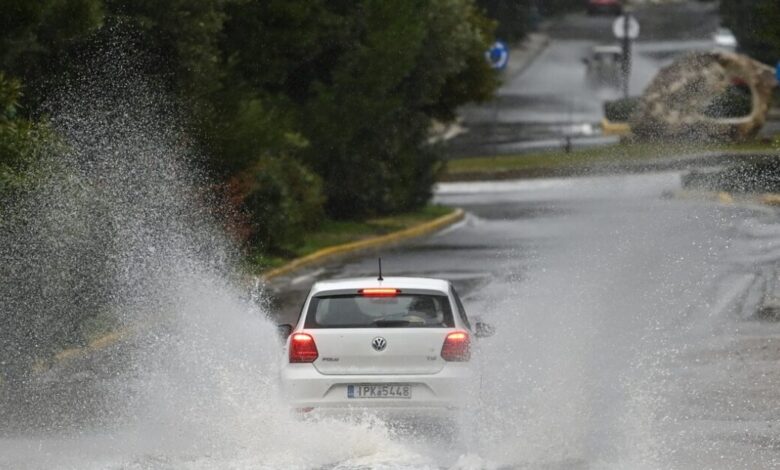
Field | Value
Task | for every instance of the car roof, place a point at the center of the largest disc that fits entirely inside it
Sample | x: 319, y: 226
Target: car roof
x: 409, y: 283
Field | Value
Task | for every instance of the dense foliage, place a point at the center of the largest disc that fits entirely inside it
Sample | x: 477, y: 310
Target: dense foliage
x: 516, y: 18
x: 346, y: 89
x: 756, y: 24
x: 21, y: 141
x: 513, y: 18
x: 302, y: 110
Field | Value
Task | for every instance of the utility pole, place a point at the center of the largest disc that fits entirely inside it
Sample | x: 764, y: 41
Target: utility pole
x: 626, y: 63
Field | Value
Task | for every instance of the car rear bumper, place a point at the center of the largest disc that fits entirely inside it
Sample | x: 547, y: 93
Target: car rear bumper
x: 305, y: 389
x: 423, y: 414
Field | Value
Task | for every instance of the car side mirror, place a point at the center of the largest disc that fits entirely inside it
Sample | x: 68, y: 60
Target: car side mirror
x: 284, y: 331
x: 483, y: 330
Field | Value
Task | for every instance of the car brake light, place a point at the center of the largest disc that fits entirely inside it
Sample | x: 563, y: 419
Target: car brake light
x: 303, y: 348
x: 457, y: 347
x: 379, y: 292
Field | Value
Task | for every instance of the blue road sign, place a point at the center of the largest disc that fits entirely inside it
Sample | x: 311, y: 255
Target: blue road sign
x: 777, y: 71
x: 498, y: 55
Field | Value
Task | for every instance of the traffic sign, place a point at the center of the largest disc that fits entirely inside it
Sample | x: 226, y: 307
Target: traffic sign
x: 619, y: 27
x: 498, y: 55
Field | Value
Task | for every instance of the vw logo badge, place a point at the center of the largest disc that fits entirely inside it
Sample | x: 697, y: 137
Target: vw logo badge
x: 379, y: 343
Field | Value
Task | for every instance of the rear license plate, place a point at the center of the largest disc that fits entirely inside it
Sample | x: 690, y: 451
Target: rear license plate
x: 379, y: 391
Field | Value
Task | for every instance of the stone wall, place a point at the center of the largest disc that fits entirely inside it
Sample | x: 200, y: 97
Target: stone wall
x: 678, y: 102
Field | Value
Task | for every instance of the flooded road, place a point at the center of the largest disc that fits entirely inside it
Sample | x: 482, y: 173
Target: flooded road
x: 626, y: 338
x: 626, y: 328
x: 635, y: 328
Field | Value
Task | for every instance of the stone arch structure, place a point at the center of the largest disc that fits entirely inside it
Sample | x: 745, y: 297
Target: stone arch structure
x: 678, y: 102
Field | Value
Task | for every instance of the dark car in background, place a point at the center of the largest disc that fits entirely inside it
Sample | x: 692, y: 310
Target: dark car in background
x: 610, y: 7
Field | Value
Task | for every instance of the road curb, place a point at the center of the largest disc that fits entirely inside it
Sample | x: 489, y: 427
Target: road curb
x: 345, y: 249
x: 594, y: 168
x: 727, y: 198
x: 393, y: 238
x: 770, y: 199
x: 615, y: 128
x: 101, y: 342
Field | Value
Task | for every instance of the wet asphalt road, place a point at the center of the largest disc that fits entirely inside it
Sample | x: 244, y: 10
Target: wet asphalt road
x: 627, y: 331
x: 627, y: 335
x: 552, y: 97
x: 627, y: 338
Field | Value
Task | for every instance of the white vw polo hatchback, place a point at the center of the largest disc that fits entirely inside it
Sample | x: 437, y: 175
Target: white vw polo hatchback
x: 399, y: 346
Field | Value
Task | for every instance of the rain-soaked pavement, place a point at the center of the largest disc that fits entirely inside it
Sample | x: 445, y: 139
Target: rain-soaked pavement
x: 627, y: 335
x: 626, y: 339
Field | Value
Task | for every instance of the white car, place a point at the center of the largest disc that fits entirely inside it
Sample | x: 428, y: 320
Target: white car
x: 724, y: 39
x: 397, y: 347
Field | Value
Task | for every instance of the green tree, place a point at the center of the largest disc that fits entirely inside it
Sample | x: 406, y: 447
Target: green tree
x: 36, y: 35
x: 756, y: 24
x: 21, y: 140
x: 368, y: 126
x: 557, y: 7
x: 348, y: 88
x: 283, y: 46
x: 282, y: 199
x: 511, y: 16
x: 365, y: 79
x: 180, y: 38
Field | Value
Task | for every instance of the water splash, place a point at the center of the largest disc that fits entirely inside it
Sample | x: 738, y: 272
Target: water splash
x: 122, y: 234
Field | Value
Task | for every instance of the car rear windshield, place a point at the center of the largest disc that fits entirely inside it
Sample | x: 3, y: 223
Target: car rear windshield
x: 401, y: 311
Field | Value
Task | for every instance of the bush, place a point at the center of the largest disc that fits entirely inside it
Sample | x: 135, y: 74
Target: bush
x: 756, y: 24
x: 620, y: 110
x: 281, y: 200
x: 735, y: 102
x: 367, y: 124
x: 21, y: 140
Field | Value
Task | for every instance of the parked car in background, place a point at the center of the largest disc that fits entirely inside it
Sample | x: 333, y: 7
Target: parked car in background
x: 725, y: 39
x: 603, y: 66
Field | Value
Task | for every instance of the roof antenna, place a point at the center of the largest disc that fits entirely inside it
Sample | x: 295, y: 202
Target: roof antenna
x: 380, y: 278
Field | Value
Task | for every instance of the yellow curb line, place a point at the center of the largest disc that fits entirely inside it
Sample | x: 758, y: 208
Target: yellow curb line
x: 374, y: 242
x: 725, y: 198
x: 98, y: 343
x: 615, y: 128
x: 368, y: 243
x: 770, y: 199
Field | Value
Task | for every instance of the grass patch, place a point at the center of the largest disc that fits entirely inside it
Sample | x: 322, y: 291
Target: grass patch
x: 558, y: 161
x: 333, y: 232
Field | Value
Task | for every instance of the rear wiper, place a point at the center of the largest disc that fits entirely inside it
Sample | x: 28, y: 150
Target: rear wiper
x: 391, y: 323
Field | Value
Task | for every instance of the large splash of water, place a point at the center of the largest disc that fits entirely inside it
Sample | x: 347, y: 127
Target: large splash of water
x: 122, y: 235
x: 122, y: 229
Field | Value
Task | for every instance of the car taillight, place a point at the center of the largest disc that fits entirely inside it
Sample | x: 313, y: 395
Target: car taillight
x: 457, y: 347
x: 303, y: 348
x: 379, y: 292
